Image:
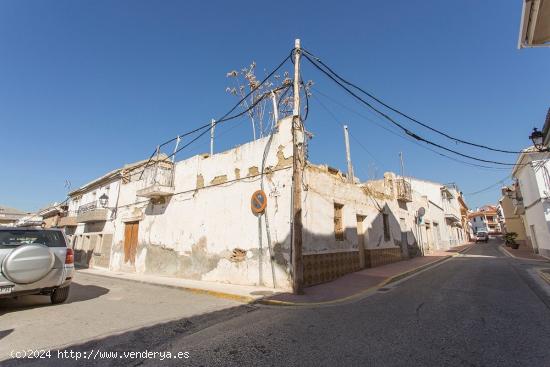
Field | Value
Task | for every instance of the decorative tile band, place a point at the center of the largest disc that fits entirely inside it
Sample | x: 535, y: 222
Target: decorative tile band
x: 320, y: 268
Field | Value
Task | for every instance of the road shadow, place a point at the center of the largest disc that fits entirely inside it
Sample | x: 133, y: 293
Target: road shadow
x: 78, y: 293
x: 150, y: 338
x: 4, y: 333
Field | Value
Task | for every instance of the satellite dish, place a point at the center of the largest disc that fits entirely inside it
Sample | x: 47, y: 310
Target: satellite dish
x: 421, y: 211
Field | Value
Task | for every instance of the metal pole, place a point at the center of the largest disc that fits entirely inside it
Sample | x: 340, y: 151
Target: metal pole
x: 297, y: 54
x: 173, y: 175
x: 178, y: 140
x: 297, y: 170
x: 156, y: 165
x: 402, y: 165
x: 275, y: 110
x: 212, y: 126
x: 348, y: 154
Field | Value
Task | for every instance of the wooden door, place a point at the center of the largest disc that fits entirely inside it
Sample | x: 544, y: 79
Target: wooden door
x: 130, y: 241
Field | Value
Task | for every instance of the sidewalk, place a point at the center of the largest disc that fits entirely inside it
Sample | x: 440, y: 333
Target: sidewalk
x: 240, y: 293
x: 347, y: 287
x: 523, y: 252
x: 362, y: 282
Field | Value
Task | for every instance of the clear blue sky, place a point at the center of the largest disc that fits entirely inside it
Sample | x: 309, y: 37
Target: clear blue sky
x: 86, y: 86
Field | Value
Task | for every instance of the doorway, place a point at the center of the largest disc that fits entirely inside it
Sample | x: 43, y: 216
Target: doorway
x: 130, y: 241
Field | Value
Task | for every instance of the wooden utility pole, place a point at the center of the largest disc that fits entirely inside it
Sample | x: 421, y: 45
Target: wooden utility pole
x: 297, y: 171
x: 348, y: 155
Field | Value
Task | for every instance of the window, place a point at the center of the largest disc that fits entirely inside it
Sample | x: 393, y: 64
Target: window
x: 338, y: 223
x: 386, y: 222
x: 16, y: 237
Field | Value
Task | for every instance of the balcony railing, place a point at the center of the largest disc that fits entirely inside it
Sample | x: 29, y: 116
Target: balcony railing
x: 519, y: 207
x: 91, y: 212
x: 67, y: 219
x: 87, y: 207
x: 158, y: 180
x: 404, y: 192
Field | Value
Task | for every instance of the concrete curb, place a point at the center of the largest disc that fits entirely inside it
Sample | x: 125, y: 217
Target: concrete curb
x: 508, y: 253
x: 359, y: 294
x: 218, y: 294
x: 368, y: 290
x: 544, y: 275
x: 251, y: 300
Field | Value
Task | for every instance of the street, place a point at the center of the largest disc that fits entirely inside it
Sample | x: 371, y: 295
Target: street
x: 97, y: 306
x: 479, y: 309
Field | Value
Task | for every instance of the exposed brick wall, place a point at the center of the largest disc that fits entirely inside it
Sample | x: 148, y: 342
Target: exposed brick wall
x: 320, y: 268
x: 382, y: 256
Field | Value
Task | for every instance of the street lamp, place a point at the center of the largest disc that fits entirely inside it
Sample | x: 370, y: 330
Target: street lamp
x: 537, y: 138
x: 103, y: 200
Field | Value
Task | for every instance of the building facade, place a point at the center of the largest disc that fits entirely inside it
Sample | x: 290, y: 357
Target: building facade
x: 195, y: 218
x: 10, y: 216
x: 531, y: 198
x: 511, y: 220
x: 485, y: 219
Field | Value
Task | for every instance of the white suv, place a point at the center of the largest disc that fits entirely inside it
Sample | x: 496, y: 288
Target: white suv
x: 35, y: 261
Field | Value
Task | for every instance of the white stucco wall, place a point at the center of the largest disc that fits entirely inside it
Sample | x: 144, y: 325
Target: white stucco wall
x: 536, y: 199
x: 438, y: 208
x: 111, y: 189
x: 193, y: 234
x: 324, y: 189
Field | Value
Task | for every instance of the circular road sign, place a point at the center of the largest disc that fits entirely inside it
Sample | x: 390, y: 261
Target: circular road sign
x: 258, y: 202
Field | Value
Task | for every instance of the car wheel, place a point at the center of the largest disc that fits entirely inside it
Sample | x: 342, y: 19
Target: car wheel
x: 60, y: 295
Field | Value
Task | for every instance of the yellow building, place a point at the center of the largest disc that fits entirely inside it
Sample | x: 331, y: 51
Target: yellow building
x: 512, y: 222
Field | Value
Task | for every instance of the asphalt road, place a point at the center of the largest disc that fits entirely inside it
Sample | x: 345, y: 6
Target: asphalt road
x: 97, y: 307
x: 480, y: 309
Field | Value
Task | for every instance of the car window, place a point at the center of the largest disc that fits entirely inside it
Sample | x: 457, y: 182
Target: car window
x: 18, y: 237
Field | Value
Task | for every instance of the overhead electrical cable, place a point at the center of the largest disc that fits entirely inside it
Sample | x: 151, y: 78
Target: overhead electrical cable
x: 407, y: 131
x: 489, y: 187
x: 318, y: 92
x: 224, y: 118
x: 402, y: 113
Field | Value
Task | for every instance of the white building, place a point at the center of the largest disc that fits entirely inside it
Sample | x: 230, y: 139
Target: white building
x: 444, y: 209
x: 532, y: 197
x: 193, y: 218
x: 91, y: 216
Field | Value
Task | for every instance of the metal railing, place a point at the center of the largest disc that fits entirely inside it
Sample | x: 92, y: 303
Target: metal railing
x: 160, y: 173
x: 404, y: 191
x: 87, y: 207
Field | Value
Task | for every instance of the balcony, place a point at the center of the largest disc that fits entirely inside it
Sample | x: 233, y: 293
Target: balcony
x: 67, y: 219
x: 519, y: 208
x: 158, y: 181
x: 404, y: 192
x: 91, y: 212
x: 452, y: 217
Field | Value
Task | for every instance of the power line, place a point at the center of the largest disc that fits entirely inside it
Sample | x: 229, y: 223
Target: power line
x: 206, y: 130
x: 337, y: 122
x: 404, y: 114
x: 407, y: 131
x: 401, y: 136
x: 489, y: 187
